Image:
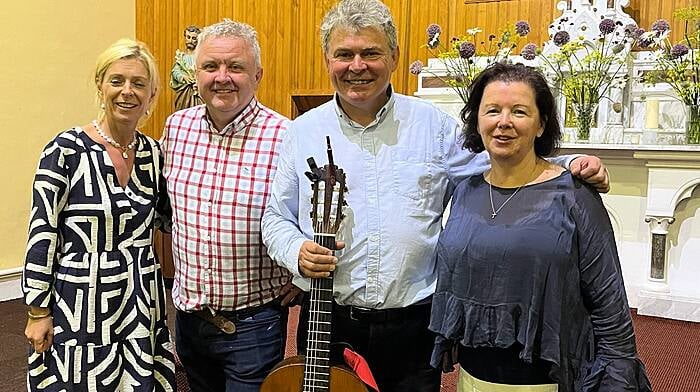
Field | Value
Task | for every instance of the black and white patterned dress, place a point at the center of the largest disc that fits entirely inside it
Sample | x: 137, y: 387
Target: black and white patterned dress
x: 90, y: 259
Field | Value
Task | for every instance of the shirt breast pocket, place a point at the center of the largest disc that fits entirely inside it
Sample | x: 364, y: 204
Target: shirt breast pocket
x: 412, y: 175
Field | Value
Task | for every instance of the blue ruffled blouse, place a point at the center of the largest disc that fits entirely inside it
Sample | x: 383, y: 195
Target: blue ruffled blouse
x: 544, y: 274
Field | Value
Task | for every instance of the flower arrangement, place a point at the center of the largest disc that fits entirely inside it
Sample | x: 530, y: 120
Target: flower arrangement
x: 678, y: 64
x: 458, y: 55
x: 584, y: 71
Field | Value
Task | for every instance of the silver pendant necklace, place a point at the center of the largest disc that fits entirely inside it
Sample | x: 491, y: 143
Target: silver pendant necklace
x: 495, y: 211
x: 124, y: 149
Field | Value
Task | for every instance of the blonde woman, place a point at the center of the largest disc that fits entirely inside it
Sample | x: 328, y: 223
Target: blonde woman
x: 93, y: 286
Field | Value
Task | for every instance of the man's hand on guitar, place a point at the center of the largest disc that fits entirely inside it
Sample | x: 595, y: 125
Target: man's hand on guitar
x: 315, y: 261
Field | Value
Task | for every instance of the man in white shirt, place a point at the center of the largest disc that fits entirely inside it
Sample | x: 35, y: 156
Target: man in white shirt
x: 402, y: 158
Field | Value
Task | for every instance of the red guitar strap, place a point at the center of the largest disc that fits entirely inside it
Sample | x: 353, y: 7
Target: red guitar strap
x: 361, y: 368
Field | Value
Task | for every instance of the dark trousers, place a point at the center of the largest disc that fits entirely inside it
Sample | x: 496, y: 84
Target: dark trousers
x: 238, y: 362
x: 396, y: 344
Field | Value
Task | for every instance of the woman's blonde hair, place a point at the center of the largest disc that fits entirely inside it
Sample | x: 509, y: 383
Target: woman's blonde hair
x: 123, y: 49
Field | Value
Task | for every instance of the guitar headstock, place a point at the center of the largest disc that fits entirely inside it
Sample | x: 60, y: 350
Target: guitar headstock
x: 328, y: 198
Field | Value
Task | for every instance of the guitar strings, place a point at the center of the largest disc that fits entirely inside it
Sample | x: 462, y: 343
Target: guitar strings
x: 325, y: 236
x: 313, y: 341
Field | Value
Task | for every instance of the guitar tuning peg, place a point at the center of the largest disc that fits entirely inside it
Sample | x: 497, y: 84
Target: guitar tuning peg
x: 311, y: 176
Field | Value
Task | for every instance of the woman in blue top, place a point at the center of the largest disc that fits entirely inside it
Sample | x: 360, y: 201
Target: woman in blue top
x: 530, y: 294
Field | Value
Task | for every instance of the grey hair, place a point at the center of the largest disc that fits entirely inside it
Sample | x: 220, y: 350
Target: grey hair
x: 230, y: 29
x: 357, y: 15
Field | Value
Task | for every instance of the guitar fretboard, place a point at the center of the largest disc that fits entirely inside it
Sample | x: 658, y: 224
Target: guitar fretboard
x: 327, y: 201
x: 317, y: 366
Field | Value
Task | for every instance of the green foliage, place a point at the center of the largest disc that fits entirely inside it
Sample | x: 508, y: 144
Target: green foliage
x: 585, y: 71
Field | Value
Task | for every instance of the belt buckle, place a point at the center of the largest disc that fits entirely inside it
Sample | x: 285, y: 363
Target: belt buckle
x: 222, y: 323
x: 359, y: 311
x: 352, y: 314
x: 225, y: 325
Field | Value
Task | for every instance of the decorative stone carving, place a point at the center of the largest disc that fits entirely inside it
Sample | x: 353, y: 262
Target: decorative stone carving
x: 581, y: 18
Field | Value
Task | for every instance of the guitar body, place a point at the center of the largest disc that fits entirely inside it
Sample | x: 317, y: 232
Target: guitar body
x: 288, y: 376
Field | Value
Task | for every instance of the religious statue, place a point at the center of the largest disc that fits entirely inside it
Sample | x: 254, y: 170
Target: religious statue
x: 182, y: 76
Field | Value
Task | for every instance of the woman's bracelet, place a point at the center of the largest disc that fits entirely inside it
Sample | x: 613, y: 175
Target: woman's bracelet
x: 33, y: 316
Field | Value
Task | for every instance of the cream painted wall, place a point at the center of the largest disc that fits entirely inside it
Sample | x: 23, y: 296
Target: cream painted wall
x: 48, y: 53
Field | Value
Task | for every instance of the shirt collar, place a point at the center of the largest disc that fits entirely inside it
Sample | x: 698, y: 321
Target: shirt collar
x: 239, y: 123
x: 381, y: 114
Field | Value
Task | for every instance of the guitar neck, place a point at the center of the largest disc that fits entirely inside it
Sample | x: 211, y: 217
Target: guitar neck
x: 317, y: 363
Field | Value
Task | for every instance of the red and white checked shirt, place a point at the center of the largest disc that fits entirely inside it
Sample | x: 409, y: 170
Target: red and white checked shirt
x: 219, y: 183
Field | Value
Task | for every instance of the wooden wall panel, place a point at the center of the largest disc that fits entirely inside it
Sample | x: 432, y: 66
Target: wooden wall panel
x: 291, y: 52
x: 308, y: 71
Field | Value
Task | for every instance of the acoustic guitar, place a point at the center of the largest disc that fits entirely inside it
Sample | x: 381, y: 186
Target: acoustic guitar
x: 313, y: 372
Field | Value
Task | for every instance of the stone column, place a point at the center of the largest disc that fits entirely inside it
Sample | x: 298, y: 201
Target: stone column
x: 657, y: 279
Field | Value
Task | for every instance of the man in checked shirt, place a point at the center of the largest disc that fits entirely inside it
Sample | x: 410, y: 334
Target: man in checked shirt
x: 220, y: 159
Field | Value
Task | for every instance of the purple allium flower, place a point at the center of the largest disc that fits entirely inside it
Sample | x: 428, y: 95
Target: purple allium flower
x: 637, y: 33
x: 606, y: 26
x: 661, y: 26
x: 529, y: 52
x: 561, y: 38
x: 433, y: 32
x: 416, y: 67
x: 522, y: 28
x: 466, y: 50
x: 433, y: 29
x: 678, y: 51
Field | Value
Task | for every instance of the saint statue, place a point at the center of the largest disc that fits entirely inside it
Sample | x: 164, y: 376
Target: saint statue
x: 182, y: 76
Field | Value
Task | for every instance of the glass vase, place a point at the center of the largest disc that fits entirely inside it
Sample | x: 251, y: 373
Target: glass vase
x: 584, y: 120
x: 692, y: 125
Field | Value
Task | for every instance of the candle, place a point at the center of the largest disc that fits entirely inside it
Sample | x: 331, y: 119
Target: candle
x: 651, y: 117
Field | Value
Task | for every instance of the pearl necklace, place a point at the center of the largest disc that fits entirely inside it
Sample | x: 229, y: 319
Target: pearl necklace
x: 124, y: 149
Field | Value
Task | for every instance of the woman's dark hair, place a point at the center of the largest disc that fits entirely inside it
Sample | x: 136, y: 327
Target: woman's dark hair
x: 500, y: 72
